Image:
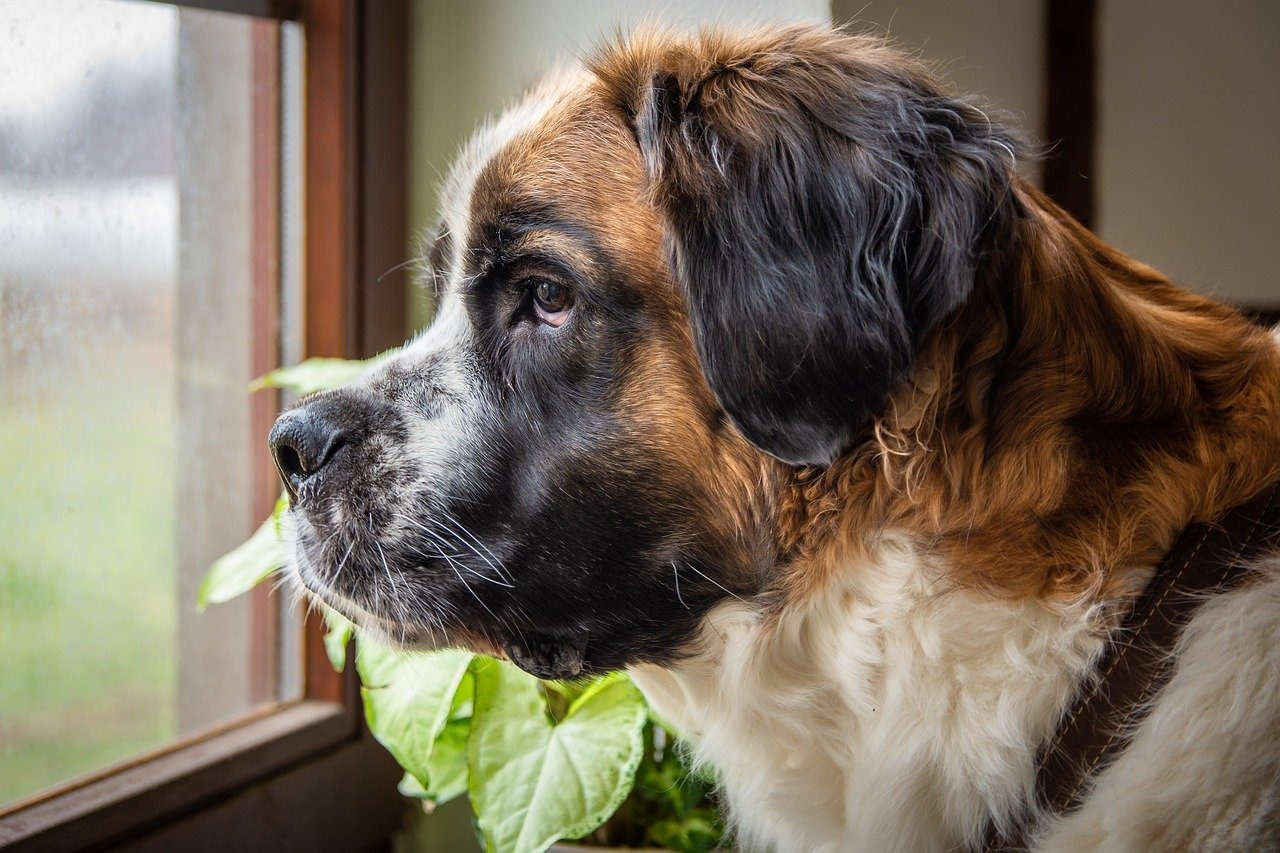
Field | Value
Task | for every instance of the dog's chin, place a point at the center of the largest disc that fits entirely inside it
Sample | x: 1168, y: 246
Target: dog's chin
x: 380, y: 629
x: 550, y: 656
x: 384, y: 630
x: 404, y: 637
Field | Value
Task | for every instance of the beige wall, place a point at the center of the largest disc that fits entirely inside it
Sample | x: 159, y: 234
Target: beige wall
x: 1189, y: 144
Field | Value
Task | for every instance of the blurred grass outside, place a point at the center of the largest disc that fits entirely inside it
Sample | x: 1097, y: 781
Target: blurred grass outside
x: 102, y: 115
x: 87, y: 578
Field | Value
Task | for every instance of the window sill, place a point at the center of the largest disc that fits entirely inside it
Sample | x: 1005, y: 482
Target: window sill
x: 105, y: 808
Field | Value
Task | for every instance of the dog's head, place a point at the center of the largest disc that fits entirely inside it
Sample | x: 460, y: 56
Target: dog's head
x: 665, y: 280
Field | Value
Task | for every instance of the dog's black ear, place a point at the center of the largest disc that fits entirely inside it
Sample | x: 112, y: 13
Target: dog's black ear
x: 826, y: 204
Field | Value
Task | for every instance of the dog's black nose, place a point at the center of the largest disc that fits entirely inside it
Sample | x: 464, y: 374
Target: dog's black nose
x: 302, y: 442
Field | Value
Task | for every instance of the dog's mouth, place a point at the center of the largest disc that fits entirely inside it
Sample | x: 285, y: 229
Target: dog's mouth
x: 386, y: 630
x: 549, y: 656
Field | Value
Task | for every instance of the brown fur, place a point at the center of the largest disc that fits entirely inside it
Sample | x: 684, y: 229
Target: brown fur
x: 1063, y: 427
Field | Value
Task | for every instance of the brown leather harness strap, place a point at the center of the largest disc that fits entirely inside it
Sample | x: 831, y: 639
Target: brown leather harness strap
x: 1207, y: 559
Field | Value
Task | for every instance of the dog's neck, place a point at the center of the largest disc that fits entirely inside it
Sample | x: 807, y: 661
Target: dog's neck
x: 1065, y: 424
x: 890, y: 708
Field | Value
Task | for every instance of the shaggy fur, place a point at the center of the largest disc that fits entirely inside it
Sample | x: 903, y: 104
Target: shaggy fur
x: 851, y: 445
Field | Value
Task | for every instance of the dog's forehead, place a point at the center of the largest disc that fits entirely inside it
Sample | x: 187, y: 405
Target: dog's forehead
x: 563, y: 151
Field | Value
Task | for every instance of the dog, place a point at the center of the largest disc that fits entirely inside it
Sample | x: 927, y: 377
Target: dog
x: 759, y: 372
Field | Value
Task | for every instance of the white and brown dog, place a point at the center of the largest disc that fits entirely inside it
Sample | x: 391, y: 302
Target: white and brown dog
x: 759, y: 372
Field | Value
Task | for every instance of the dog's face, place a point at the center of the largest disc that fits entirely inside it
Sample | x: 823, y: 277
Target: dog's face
x: 662, y: 282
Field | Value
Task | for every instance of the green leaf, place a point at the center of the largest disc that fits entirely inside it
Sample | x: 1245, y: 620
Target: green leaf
x: 409, y: 786
x: 532, y: 782
x: 407, y: 699
x: 447, y: 769
x: 337, y: 638
x: 316, y: 374
x: 698, y: 832
x: 462, y: 700
x: 262, y: 555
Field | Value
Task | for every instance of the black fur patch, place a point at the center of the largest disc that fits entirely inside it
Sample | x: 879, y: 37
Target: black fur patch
x: 824, y: 214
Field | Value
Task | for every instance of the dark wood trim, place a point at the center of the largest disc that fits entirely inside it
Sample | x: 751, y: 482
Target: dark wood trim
x: 321, y: 682
x: 1071, y: 105
x: 357, y: 176
x: 331, y: 255
x: 342, y: 800
x: 120, y: 802
x: 280, y: 10
x: 265, y: 57
x: 384, y: 153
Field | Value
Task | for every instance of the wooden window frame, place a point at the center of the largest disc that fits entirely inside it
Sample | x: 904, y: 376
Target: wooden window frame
x: 305, y: 772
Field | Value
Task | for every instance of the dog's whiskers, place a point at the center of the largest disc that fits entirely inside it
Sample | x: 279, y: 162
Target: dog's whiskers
x: 461, y: 528
x: 675, y: 570
x: 704, y: 575
x: 470, y: 590
x: 441, y: 542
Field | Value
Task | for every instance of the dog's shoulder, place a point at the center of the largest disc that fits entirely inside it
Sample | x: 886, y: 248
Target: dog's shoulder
x: 1203, y: 769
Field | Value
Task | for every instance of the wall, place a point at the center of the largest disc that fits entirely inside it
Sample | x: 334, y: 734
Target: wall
x: 1189, y: 144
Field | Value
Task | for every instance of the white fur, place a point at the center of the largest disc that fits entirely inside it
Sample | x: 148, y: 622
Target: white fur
x: 894, y: 713
x: 491, y: 139
x: 438, y: 444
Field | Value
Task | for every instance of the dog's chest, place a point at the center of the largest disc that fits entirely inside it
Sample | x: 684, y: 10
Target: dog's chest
x: 886, y: 713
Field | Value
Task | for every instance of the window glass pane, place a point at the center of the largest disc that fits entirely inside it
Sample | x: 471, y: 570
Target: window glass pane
x: 131, y: 206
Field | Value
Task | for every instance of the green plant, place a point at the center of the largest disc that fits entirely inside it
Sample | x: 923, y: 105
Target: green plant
x: 542, y: 761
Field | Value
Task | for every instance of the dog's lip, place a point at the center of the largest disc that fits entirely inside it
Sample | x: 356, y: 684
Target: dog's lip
x: 324, y: 593
x: 547, y: 651
x: 565, y: 654
x: 547, y: 657
x: 388, y: 631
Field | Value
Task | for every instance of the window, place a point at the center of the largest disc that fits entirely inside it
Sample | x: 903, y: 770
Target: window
x: 132, y: 200
x: 180, y: 210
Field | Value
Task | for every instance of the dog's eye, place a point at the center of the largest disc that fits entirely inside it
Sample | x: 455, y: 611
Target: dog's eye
x: 551, y: 301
